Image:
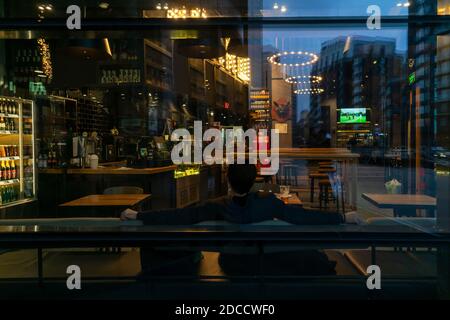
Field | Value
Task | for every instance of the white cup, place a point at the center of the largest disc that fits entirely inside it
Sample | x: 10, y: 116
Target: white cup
x: 94, y: 161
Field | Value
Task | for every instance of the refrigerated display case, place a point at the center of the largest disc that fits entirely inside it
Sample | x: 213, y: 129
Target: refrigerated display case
x: 17, y: 165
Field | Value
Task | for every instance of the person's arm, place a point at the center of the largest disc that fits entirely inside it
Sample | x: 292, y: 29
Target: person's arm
x: 184, y: 216
x: 298, y: 215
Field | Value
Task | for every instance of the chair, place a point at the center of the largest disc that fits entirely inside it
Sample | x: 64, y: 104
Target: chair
x: 123, y: 190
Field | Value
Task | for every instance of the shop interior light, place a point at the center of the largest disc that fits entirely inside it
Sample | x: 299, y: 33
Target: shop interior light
x: 275, y: 6
x: 158, y: 6
x: 283, y: 8
x: 104, y: 5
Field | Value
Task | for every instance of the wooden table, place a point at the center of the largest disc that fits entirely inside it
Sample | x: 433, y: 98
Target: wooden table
x: 402, y: 204
x: 292, y: 200
x: 108, y: 200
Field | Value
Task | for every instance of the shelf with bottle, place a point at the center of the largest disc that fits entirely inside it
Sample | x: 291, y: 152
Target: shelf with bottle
x: 9, y: 108
x: 9, y: 152
x: 8, y: 182
x: 9, y: 194
x: 8, y: 170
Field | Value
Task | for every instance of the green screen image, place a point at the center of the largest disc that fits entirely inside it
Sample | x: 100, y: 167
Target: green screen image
x: 354, y: 115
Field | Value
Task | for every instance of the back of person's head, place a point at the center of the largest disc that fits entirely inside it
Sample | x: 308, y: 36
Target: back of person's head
x: 241, y: 177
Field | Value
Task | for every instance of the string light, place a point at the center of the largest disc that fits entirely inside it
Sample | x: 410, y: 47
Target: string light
x: 304, y: 79
x: 309, y: 91
x: 238, y: 66
x: 44, y: 50
x: 184, y: 13
x: 276, y: 58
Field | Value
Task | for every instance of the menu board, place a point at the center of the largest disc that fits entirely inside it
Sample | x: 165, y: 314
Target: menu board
x: 260, y: 108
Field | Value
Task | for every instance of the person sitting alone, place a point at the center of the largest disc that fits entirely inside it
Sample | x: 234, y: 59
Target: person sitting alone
x: 241, y: 206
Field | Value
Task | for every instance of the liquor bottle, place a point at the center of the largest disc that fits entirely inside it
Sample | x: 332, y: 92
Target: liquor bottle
x: 2, y: 105
x: 2, y: 124
x: 9, y: 111
x: 7, y: 171
x: 3, y: 170
x: 13, y: 170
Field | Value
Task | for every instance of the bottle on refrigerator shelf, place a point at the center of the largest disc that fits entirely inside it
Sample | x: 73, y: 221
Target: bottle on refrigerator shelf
x: 13, y: 170
x: 3, y: 170
x: 7, y: 171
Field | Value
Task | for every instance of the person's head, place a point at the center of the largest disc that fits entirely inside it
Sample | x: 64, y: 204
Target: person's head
x: 241, y: 177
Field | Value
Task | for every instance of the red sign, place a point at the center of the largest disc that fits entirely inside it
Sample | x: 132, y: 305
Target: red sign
x: 226, y: 105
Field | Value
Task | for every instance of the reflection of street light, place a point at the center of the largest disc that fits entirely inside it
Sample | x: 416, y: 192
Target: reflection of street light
x: 404, y: 4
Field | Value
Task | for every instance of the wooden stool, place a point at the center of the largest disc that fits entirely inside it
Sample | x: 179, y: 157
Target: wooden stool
x: 312, y: 177
x: 290, y: 174
x: 324, y: 189
x: 327, y: 170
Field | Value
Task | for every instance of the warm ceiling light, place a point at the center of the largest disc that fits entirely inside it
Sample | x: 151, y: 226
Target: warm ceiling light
x: 158, y: 6
x: 41, y: 7
x: 104, y: 5
x: 166, y: 6
x: 303, y: 79
x: 49, y: 7
x: 309, y: 91
x: 308, y: 58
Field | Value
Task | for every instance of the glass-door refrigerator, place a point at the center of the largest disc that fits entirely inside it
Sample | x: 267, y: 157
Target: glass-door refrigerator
x: 17, y: 165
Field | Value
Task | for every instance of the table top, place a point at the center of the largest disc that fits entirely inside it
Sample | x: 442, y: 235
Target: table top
x: 292, y: 200
x: 400, y: 200
x: 107, y: 200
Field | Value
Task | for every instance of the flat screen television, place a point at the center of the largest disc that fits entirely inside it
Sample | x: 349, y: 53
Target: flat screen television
x: 353, y: 115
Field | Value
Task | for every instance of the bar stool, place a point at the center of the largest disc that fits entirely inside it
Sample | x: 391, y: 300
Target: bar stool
x: 330, y: 170
x: 324, y: 189
x: 312, y: 177
x: 290, y: 174
x: 326, y: 186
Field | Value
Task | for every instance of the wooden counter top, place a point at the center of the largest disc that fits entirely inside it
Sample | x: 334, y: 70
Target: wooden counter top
x: 318, y: 153
x: 109, y: 170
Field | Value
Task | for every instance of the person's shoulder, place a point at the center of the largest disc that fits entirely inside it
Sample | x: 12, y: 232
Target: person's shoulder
x: 264, y: 196
x: 219, y: 201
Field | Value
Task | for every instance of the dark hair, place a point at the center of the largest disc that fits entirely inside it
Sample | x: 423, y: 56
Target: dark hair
x: 241, y: 177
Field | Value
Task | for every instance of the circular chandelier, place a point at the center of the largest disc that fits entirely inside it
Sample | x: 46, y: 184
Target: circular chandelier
x: 309, y: 91
x: 307, y: 57
x: 304, y: 79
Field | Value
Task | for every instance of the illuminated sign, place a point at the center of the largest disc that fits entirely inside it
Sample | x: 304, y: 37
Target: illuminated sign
x: 412, y: 78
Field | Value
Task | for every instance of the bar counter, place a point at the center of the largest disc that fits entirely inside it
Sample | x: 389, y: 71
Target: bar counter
x: 111, y: 170
x: 57, y: 186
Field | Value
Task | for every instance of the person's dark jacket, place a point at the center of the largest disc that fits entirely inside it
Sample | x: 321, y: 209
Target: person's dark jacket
x: 258, y: 207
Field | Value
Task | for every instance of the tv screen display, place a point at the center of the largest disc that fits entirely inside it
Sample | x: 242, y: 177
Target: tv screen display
x: 353, y: 115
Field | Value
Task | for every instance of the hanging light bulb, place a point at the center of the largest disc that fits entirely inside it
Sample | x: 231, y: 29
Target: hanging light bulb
x: 166, y: 6
x: 158, y: 6
x: 275, y: 6
x: 283, y: 8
